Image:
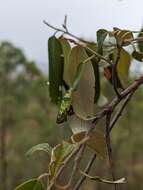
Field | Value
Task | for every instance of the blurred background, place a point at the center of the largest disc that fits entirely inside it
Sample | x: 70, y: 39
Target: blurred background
x: 27, y: 117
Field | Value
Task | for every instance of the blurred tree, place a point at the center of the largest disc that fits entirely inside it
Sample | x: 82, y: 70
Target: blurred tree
x: 23, y: 106
x: 10, y: 59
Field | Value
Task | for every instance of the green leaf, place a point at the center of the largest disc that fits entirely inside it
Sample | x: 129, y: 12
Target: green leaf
x: 55, y: 68
x: 40, y: 147
x: 122, y: 67
x: 95, y: 64
x: 83, y: 96
x: 101, y: 35
x: 103, y: 100
x: 32, y: 184
x: 78, y: 125
x: 76, y: 56
x: 78, y: 75
x: 96, y: 142
x: 66, y: 51
x: 81, y: 87
x: 138, y: 56
x: 59, y: 153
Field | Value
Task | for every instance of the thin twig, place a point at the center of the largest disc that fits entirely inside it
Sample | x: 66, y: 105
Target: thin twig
x: 119, y: 113
x: 77, y: 163
x: 65, y: 24
x: 42, y: 176
x: 132, y: 88
x: 82, y: 179
x: 79, y: 39
x: 109, y: 148
x: 66, y: 161
x: 65, y: 32
x: 87, y: 169
x: 99, y: 179
x: 81, y: 152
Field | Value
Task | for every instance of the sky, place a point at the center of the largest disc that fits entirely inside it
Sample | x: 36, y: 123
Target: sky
x: 21, y: 21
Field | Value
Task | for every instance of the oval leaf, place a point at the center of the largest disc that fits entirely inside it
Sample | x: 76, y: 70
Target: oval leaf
x: 77, y: 78
x: 55, y: 68
x: 32, y: 184
x: 96, y: 142
x: 83, y: 96
x: 59, y: 153
x: 78, y: 125
x: 122, y: 67
x: 76, y: 56
x: 101, y: 35
x: 66, y: 51
x: 95, y: 64
x: 40, y: 147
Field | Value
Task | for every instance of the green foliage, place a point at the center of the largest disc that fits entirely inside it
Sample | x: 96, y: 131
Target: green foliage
x: 83, y: 78
x: 32, y: 184
x: 95, y: 64
x: 123, y: 67
x: 24, y: 109
x: 59, y: 154
x: 40, y: 147
x: 55, y: 69
x: 75, y: 84
x: 97, y: 79
x: 101, y: 35
x: 96, y: 142
x: 66, y: 51
x: 83, y: 96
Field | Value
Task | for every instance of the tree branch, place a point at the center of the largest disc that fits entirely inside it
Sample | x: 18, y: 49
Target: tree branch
x: 132, y: 88
x: 87, y: 169
x: 79, y: 39
x: 119, y: 113
x: 125, y: 94
x: 109, y: 148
